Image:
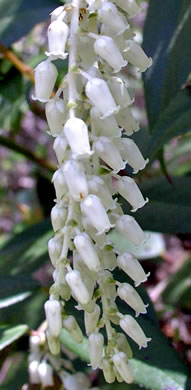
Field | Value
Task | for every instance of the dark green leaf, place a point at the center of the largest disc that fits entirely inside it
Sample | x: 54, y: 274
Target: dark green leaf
x: 8, y: 334
x: 15, y: 289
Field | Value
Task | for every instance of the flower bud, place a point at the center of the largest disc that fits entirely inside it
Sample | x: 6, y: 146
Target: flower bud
x: 133, y: 330
x: 128, y: 294
x: 58, y: 216
x: 106, y: 48
x: 45, y: 78
x: 130, y: 6
x: 94, y: 210
x: 33, y: 372
x: 45, y: 372
x: 57, y: 36
x: 131, y: 266
x: 54, y: 250
x: 59, y: 184
x: 123, y: 345
x: 71, y: 325
x: 76, y: 133
x: 87, y: 251
x: 120, y: 92
x: 95, y: 344
x: 110, y: 15
x: 97, y: 186
x: 132, y: 153
x: 123, y: 367
x: 75, y: 177
x: 108, y: 371
x: 126, y: 120
x: 136, y: 56
x: 129, y: 228
x: 55, y: 115
x: 108, y: 152
x: 78, y: 288
x: 100, y: 96
x: 107, y: 127
x: 130, y: 191
x: 60, y: 148
x: 91, y: 320
x: 53, y: 343
x: 53, y: 316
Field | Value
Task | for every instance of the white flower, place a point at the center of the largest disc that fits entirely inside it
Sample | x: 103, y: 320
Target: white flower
x: 120, y: 92
x: 74, y: 174
x: 106, y: 48
x: 87, y: 251
x: 53, y: 343
x: 96, y: 185
x: 53, y: 316
x: 128, y: 294
x: 57, y: 35
x: 54, y: 249
x: 45, y: 372
x: 136, y: 56
x: 110, y: 15
x: 107, y: 127
x: 131, y: 266
x: 45, y: 78
x: 95, y: 343
x: 60, y: 148
x: 94, y: 210
x: 71, y: 325
x: 108, y: 152
x: 33, y: 372
x: 58, y: 216
x: 91, y: 320
x: 78, y: 288
x: 129, y: 228
x: 126, y: 120
x: 133, y: 330
x: 123, y: 366
x: 130, y: 6
x: 128, y: 188
x: 108, y: 371
x: 55, y: 114
x: 132, y: 153
x: 76, y: 133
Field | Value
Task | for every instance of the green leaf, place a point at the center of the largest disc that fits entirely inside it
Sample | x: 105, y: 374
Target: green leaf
x: 17, y: 373
x: 19, y: 16
x: 8, y: 334
x: 15, y: 289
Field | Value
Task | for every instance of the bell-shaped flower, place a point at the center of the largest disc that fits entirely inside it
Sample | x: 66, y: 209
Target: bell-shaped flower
x: 133, y: 330
x: 88, y: 277
x: 76, y: 132
x: 129, y: 228
x: 107, y: 49
x: 58, y: 32
x: 136, y: 56
x: 55, y: 115
x: 57, y: 13
x: 123, y: 345
x: 108, y: 372
x: 45, y: 372
x: 126, y: 120
x: 107, y: 127
x: 131, y: 266
x: 100, y: 239
x: 130, y: 6
x: 71, y: 325
x: 107, y: 151
x: 108, y: 285
x: 94, y: 210
x: 59, y: 184
x: 33, y: 372
x: 45, y: 78
x: 132, y: 153
x: 78, y: 288
x: 87, y: 251
x: 60, y: 148
x: 108, y: 258
x: 95, y: 344
x: 85, y: 50
x: 128, y: 294
x: 97, y: 186
x: 58, y: 216
x: 91, y: 320
x: 74, y: 173
x: 54, y: 249
x: 53, y: 343
x: 130, y: 191
x: 120, y: 92
x: 53, y: 316
x: 110, y: 15
x: 123, y: 367
x: 100, y: 96
x: 94, y: 5
x: 59, y: 276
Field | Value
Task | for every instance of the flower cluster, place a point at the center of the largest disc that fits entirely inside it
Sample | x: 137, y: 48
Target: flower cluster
x: 91, y: 120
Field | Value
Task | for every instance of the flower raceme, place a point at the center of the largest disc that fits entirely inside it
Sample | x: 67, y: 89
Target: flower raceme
x: 90, y: 118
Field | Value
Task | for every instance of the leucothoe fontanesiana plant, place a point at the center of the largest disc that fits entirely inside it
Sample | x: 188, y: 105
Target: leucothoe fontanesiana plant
x: 91, y: 120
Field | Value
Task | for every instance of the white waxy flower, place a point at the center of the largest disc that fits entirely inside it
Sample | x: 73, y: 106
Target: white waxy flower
x: 132, y: 153
x: 87, y: 251
x: 109, y: 259
x: 97, y: 186
x: 120, y: 92
x: 57, y: 36
x: 129, y: 228
x: 107, y: 49
x: 34, y: 342
x: 108, y: 283
x: 94, y: 5
x: 54, y: 249
x: 59, y: 184
x: 123, y: 367
x: 110, y: 15
x: 56, y: 13
x: 99, y: 94
x: 86, y: 51
x: 107, y: 370
x: 58, y: 216
x: 108, y: 152
x: 45, y: 372
x: 91, y: 320
x: 133, y: 330
x: 130, y: 6
x: 71, y: 325
x: 53, y: 343
x: 33, y: 372
x: 76, y: 133
x: 123, y: 345
x: 131, y: 266
x: 136, y: 56
x: 53, y: 316
x: 60, y: 148
x: 45, y: 78
x: 74, y: 173
x: 100, y: 239
x: 55, y: 114
x: 78, y: 288
x: 107, y: 127
x: 128, y: 294
x: 126, y: 120
x: 95, y: 344
x: 94, y: 210
x: 59, y: 276
x: 129, y: 190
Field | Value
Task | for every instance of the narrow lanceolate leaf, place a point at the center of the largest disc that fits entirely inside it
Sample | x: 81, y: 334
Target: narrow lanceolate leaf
x: 15, y: 289
x: 8, y: 334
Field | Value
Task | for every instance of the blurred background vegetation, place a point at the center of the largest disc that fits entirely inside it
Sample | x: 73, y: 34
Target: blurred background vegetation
x: 26, y: 193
